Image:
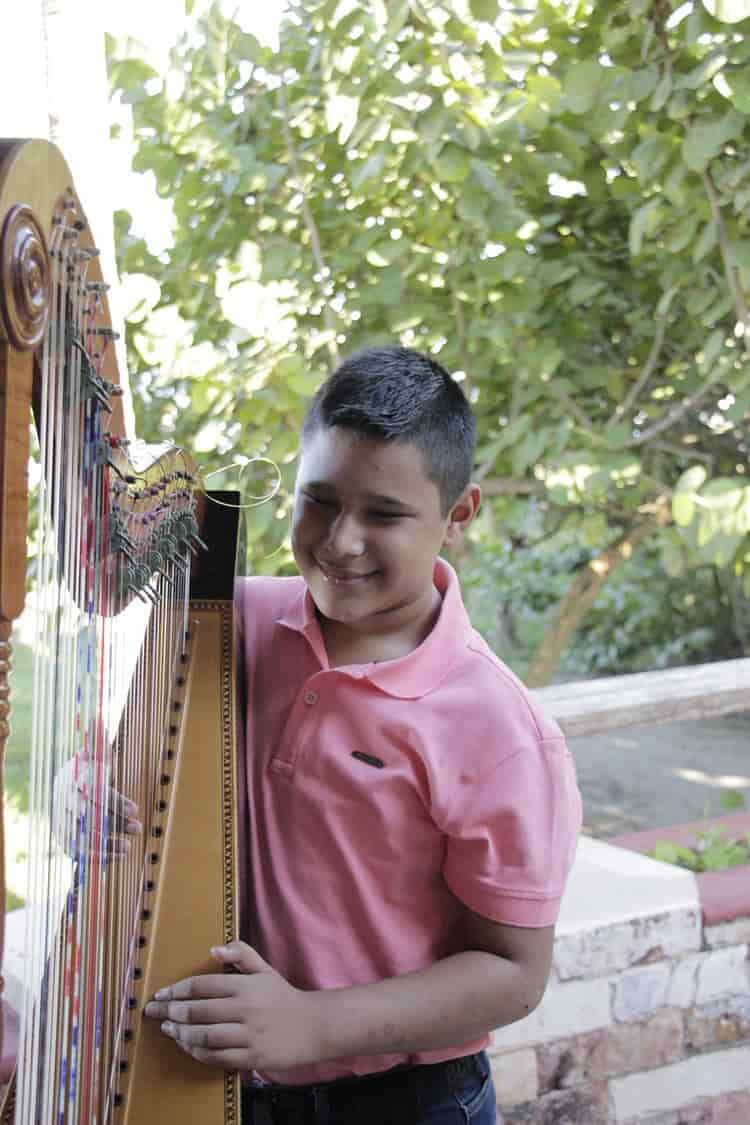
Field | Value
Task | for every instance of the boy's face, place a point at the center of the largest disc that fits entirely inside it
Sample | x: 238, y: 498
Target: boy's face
x: 367, y: 528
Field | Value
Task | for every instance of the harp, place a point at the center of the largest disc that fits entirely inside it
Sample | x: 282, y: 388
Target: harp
x: 132, y: 695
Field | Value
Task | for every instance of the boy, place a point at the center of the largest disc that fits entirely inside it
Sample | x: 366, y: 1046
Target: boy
x: 412, y: 815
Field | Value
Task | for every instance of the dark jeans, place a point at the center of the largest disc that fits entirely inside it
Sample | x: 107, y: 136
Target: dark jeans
x: 454, y: 1093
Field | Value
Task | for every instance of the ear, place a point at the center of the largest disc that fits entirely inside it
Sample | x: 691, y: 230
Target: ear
x: 461, y: 514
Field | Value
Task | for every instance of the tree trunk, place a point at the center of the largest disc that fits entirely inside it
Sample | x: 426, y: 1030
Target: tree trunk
x: 580, y: 597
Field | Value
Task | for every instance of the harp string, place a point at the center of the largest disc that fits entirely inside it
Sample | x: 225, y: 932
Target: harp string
x: 109, y: 632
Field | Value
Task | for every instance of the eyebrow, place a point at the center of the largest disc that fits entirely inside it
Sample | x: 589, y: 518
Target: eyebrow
x: 371, y: 497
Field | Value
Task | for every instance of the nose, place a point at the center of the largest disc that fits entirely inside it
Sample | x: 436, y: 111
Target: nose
x: 345, y: 537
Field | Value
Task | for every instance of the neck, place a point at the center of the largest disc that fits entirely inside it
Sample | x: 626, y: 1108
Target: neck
x: 368, y: 643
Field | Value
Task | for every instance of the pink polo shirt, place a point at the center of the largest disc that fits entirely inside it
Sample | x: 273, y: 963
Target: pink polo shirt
x: 384, y: 796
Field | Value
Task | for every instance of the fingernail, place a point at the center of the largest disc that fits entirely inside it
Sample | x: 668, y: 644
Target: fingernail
x: 161, y: 994
x: 167, y: 1028
x: 133, y: 827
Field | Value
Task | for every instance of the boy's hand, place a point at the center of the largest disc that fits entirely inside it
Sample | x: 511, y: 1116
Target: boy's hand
x: 249, y: 1020
x: 125, y: 823
x: 68, y: 804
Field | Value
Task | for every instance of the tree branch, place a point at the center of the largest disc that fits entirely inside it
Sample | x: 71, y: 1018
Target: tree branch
x: 684, y: 451
x: 315, y: 243
x: 583, y: 592
x: 461, y: 329
x: 508, y: 486
x: 678, y: 412
x: 730, y: 270
x: 648, y: 370
x: 571, y: 405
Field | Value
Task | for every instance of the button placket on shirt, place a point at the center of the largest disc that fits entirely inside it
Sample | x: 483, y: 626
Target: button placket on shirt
x: 297, y: 732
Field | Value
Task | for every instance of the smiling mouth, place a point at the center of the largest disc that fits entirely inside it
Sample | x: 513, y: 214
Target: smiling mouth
x: 342, y: 577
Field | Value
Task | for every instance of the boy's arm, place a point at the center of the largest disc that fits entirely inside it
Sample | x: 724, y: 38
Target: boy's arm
x: 257, y: 1020
x: 499, y: 978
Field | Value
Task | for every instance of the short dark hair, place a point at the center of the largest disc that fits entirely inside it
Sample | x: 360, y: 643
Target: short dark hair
x: 397, y: 394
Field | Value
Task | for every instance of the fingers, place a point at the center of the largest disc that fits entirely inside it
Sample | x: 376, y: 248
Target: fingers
x: 210, y: 986
x: 207, y: 1037
x: 232, y: 1059
x: 194, y: 1012
x: 124, y: 813
x: 242, y: 956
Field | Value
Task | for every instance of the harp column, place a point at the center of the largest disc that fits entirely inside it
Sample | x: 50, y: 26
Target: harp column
x: 24, y: 306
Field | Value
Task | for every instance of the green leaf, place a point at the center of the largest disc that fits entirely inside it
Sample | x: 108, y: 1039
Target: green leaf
x: 642, y: 222
x: 643, y: 82
x: 472, y: 205
x: 371, y: 168
x: 341, y: 115
x: 740, y: 407
x: 740, y: 252
x: 651, y: 156
x: 583, y: 289
x: 662, y: 92
x: 665, y: 301
x: 706, y: 242
x: 129, y: 75
x: 452, y: 164
x: 728, y: 11
x: 398, y: 14
x: 692, y: 479
x: 581, y: 85
x: 250, y: 48
x: 712, y: 349
x: 731, y: 800
x: 738, y: 82
x: 683, y: 235
x: 487, y: 179
x: 706, y: 138
x: 675, y: 854
x: 294, y: 372
x: 684, y: 495
x: 278, y: 262
x: 617, y: 436
x: 486, y: 10
x: 683, y: 508
x: 702, y: 73
x: 529, y: 450
x: 672, y: 557
x: 386, y: 253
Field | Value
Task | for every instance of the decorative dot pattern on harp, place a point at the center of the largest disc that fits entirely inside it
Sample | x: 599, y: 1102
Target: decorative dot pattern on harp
x: 117, y: 530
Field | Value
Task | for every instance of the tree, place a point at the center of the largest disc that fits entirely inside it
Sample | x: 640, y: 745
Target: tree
x: 553, y: 200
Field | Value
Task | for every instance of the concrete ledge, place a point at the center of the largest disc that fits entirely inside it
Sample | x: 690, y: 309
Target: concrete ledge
x: 724, y: 895
x: 695, y: 692
x: 610, y: 884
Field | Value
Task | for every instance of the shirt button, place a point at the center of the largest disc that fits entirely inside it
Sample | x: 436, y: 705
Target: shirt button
x: 311, y: 697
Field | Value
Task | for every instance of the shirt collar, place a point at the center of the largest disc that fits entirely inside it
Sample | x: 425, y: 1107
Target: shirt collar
x: 420, y: 671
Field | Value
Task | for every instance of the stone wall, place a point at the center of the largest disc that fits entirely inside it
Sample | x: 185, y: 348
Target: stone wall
x: 646, y: 1020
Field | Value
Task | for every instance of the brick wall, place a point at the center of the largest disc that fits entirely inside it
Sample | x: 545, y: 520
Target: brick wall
x: 646, y: 1021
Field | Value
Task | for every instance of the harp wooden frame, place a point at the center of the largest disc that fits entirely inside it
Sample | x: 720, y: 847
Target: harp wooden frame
x: 198, y: 836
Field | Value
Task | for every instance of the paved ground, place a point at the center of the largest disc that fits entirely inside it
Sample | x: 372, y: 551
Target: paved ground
x: 644, y: 777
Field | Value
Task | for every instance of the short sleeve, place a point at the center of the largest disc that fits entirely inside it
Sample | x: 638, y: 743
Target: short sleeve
x: 511, y: 836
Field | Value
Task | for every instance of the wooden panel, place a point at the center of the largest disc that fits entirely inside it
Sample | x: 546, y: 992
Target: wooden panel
x: 192, y: 908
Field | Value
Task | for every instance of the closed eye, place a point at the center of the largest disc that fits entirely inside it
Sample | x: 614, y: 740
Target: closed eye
x: 322, y: 501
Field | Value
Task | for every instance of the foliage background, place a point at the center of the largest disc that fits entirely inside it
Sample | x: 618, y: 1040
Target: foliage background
x: 554, y: 201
